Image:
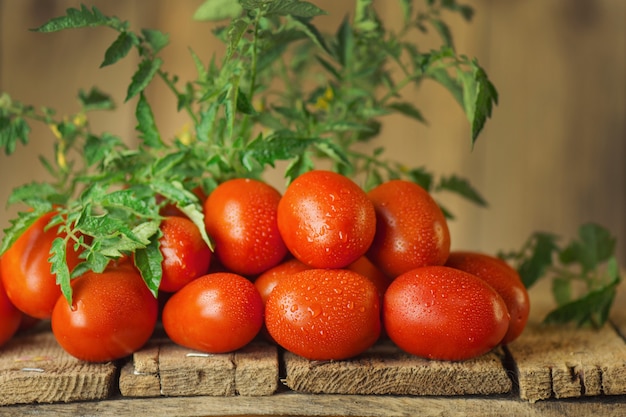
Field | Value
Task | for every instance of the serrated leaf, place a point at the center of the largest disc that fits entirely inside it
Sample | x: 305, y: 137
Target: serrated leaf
x: 97, y: 148
x: 234, y: 33
x: 595, y: 246
x: 19, y: 226
x: 146, y: 124
x: 215, y: 10
x: 543, y: 248
x: 312, y: 32
x: 328, y: 67
x: 59, y: 268
x: 461, y: 187
x: 148, y: 261
x: 345, y: 43
x: 75, y: 18
x: 479, y: 96
x: 444, y: 32
x: 95, y: 100
x: 156, y: 39
x: 591, y: 309
x: 118, y: 49
x: 407, y: 109
x: 334, y: 152
x: 243, y: 103
x: 143, y: 76
x: 279, y: 146
x: 293, y: 8
x: 26, y: 193
x: 197, y: 217
x: 12, y: 130
x: 127, y: 200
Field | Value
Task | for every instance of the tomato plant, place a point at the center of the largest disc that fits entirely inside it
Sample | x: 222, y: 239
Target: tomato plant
x: 240, y: 216
x: 10, y: 316
x: 324, y: 314
x: 443, y: 313
x: 112, y: 315
x: 504, y: 279
x: 26, y: 270
x: 215, y: 313
x: 185, y: 254
x: 411, y: 229
x: 326, y: 219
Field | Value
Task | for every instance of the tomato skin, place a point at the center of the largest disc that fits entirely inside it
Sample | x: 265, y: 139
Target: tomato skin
x: 240, y: 216
x: 113, y: 314
x: 185, y: 255
x: 366, y: 268
x: 411, y: 229
x: 324, y: 314
x: 10, y: 317
x: 326, y: 219
x: 215, y: 313
x: 443, y: 313
x: 504, y: 279
x: 266, y: 282
x: 25, y: 269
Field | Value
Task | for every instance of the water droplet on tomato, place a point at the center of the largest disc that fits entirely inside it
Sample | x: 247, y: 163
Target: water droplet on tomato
x: 293, y: 308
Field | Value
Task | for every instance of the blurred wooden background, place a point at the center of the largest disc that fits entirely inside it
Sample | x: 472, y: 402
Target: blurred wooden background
x: 552, y: 157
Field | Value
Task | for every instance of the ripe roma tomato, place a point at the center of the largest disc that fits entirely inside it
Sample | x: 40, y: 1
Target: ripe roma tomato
x: 216, y: 313
x: 240, y: 216
x: 25, y: 270
x: 10, y: 317
x: 443, y: 313
x: 112, y: 315
x: 185, y: 255
x: 366, y: 268
x: 266, y: 282
x: 504, y: 279
x: 324, y: 314
x: 326, y: 219
x: 411, y: 229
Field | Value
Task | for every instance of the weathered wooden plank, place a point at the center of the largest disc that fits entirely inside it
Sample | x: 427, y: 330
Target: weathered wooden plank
x: 163, y: 368
x: 564, y: 362
x: 385, y: 369
x: 297, y: 404
x: 35, y: 369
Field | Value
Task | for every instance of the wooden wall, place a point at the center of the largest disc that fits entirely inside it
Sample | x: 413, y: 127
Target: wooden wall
x: 552, y: 157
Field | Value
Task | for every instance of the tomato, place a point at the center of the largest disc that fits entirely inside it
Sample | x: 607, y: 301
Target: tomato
x: 504, y: 279
x: 25, y: 269
x: 411, y: 229
x: 185, y: 254
x: 215, y: 313
x: 324, y: 314
x: 266, y: 282
x: 443, y: 313
x: 326, y: 219
x: 366, y: 268
x: 240, y: 216
x: 10, y: 317
x: 113, y: 314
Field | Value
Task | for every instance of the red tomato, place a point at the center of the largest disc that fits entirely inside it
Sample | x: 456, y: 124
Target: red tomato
x: 443, y: 313
x: 266, y: 282
x: 216, y: 313
x: 10, y: 317
x: 324, y: 314
x: 326, y: 219
x: 504, y: 279
x: 25, y: 270
x: 411, y: 229
x: 366, y: 268
x: 185, y: 255
x: 113, y: 314
x: 240, y: 216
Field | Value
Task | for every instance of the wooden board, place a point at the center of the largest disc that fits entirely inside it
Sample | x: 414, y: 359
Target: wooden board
x: 162, y: 368
x: 385, y: 369
x: 35, y: 369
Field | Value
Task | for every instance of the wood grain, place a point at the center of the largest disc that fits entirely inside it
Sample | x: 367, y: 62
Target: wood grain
x: 35, y: 369
x: 385, y: 369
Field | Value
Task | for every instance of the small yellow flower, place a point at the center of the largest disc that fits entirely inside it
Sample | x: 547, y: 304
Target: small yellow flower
x: 323, y: 101
x: 80, y: 120
x: 185, y: 135
x: 55, y: 130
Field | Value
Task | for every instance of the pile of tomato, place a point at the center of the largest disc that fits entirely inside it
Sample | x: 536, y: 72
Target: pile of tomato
x: 324, y: 270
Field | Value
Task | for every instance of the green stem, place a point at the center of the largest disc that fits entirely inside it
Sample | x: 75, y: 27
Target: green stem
x: 177, y: 93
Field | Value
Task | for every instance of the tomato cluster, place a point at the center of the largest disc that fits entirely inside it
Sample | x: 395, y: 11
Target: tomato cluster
x: 323, y: 270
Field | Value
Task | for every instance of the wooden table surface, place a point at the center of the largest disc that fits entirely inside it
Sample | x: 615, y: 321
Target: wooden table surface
x: 551, y: 372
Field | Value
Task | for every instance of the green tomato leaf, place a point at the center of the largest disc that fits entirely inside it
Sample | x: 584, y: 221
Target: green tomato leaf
x: 234, y: 33
x: 461, y: 187
x: 444, y: 32
x: 197, y: 217
x: 542, y: 247
x: 34, y: 192
x: 595, y: 246
x: 143, y: 76
x: 59, y: 268
x: 97, y: 148
x: 12, y: 130
x: 591, y: 309
x: 479, y: 96
x: 215, y: 10
x: 312, y: 33
x: 345, y: 43
x: 407, y: 109
x: 75, y: 18
x: 95, y: 100
x: 335, y: 152
x: 281, y: 145
x: 146, y: 124
x: 148, y: 261
x: 19, y: 226
x: 119, y: 49
x: 293, y: 8
x: 156, y: 39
